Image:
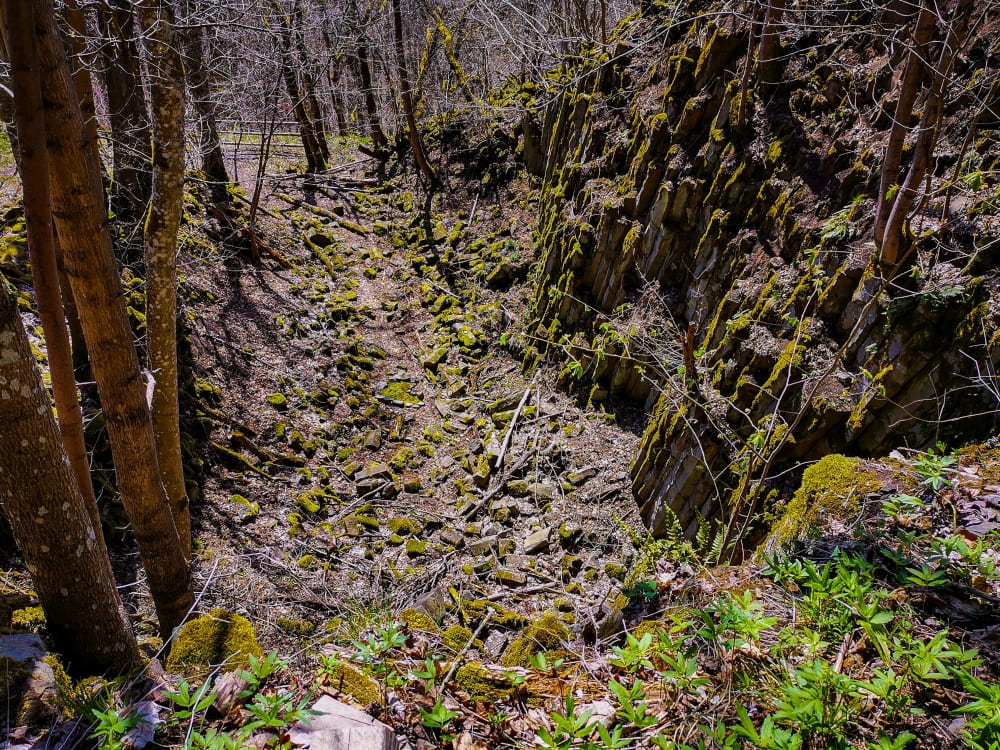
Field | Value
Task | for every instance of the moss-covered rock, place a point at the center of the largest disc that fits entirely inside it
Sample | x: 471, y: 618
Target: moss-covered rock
x: 457, y: 637
x: 419, y: 621
x: 482, y: 684
x: 831, y: 489
x: 547, y: 633
x: 345, y: 679
x: 278, y: 401
x: 212, y: 639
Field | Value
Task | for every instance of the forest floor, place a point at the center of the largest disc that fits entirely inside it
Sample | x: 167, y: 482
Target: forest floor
x: 390, y: 449
x: 416, y: 526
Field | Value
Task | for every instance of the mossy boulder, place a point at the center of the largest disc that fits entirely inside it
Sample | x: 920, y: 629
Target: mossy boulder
x: 832, y: 489
x: 418, y: 621
x: 457, y: 637
x: 547, y: 633
x: 345, y: 679
x: 278, y: 401
x: 482, y: 684
x: 212, y: 639
x: 34, y: 683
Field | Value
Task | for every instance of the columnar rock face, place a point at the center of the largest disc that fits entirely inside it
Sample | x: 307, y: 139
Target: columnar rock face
x: 744, y: 210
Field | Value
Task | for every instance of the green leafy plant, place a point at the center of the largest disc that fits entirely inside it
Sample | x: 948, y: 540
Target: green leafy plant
x: 769, y: 736
x: 982, y: 729
x: 541, y: 662
x: 740, y: 620
x: 635, y: 655
x: 935, y: 468
x: 885, y: 742
x: 111, y: 724
x: 820, y: 702
x: 259, y: 670
x: 428, y: 674
x: 278, y: 711
x: 439, y: 717
x: 568, y: 726
x: 632, y: 704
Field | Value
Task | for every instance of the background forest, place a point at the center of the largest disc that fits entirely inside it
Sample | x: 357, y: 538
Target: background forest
x: 570, y: 374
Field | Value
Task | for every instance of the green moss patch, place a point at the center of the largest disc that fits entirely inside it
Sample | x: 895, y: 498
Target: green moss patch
x: 217, y: 637
x: 833, y: 487
x: 546, y: 634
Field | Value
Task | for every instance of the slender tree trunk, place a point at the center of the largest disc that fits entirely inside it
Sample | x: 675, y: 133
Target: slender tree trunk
x: 166, y: 92
x: 66, y: 559
x: 314, y: 150
x: 80, y: 216
x: 406, y: 95
x: 73, y: 14
x: 34, y: 165
x: 371, y: 105
x: 362, y: 56
x: 213, y: 162
x: 913, y: 75
x: 927, y: 137
x: 62, y: 548
x: 310, y: 100
x: 768, y: 67
x: 130, y: 130
x: 81, y: 359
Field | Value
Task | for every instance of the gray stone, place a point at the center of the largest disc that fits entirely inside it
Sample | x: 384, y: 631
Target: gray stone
x: 578, y: 477
x: 23, y: 647
x: 510, y: 577
x: 377, y: 471
x: 32, y: 695
x: 601, y: 712
x: 452, y: 537
x: 338, y: 726
x: 520, y: 562
x: 537, y: 541
x: 482, y: 546
x: 542, y: 491
x: 495, y: 644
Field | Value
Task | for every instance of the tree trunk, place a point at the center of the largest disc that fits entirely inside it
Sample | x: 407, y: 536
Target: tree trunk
x: 913, y: 75
x: 81, y: 222
x: 406, y: 95
x: 923, y: 149
x: 73, y: 14
x: 371, y: 105
x: 130, y: 130
x: 768, y: 65
x: 315, y: 161
x: 67, y: 561
x: 166, y: 93
x: 310, y: 100
x: 34, y: 165
x: 212, y: 160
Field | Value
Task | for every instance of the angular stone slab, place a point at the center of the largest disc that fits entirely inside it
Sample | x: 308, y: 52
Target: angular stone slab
x: 338, y: 726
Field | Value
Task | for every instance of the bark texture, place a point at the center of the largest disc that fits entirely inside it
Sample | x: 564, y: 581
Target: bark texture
x: 303, y: 109
x: 166, y: 91
x: 30, y: 124
x: 67, y: 561
x: 80, y: 217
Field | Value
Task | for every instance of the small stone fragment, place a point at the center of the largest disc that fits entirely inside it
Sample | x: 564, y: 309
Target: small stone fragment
x: 338, y: 726
x: 510, y: 577
x: 537, y: 541
x: 452, y: 537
